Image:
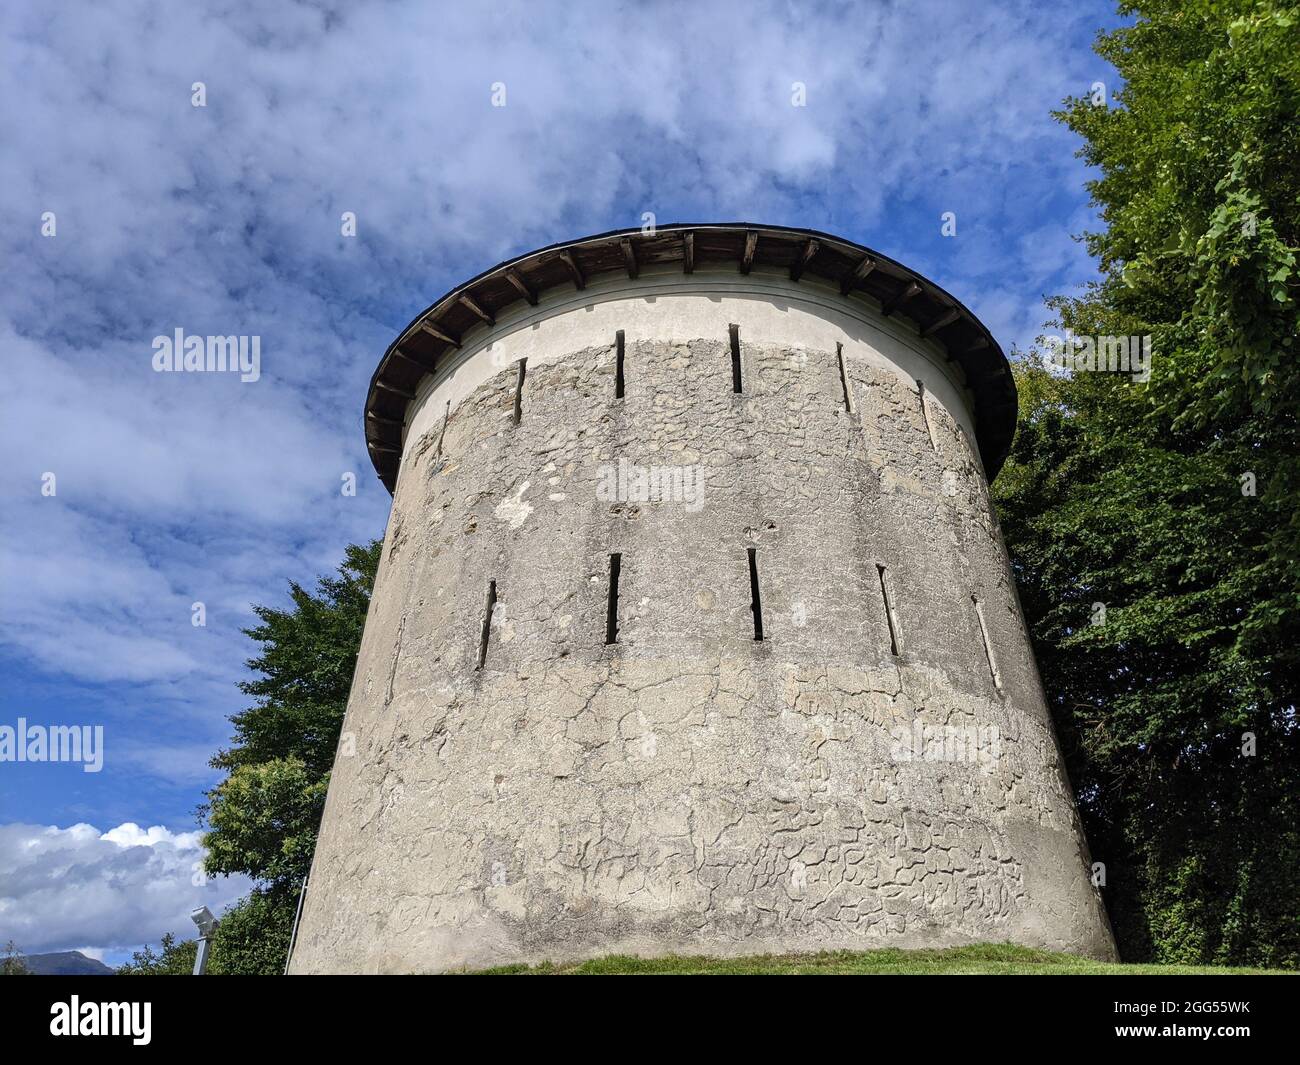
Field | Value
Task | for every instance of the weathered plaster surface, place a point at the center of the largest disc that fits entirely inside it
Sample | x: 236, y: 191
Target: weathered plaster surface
x: 691, y: 789
x: 671, y: 307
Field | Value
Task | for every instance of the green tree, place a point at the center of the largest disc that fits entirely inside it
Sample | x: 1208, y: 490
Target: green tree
x: 251, y: 939
x: 171, y: 959
x: 253, y: 936
x: 11, y: 961
x: 263, y: 817
x: 1137, y: 495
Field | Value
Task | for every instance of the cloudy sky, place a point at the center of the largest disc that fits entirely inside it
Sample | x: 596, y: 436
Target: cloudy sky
x: 225, y: 219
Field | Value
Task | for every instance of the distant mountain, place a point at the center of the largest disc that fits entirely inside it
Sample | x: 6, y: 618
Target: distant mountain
x: 66, y: 963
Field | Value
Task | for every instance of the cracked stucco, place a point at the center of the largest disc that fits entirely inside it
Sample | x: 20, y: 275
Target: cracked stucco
x: 690, y: 789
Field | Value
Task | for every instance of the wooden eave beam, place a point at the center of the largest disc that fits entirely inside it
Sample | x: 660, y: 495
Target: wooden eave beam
x: 909, y: 291
x: 423, y: 364
x: 522, y: 287
x: 386, y: 387
x: 688, y: 252
x: 947, y: 318
x: 805, y: 257
x: 441, y: 333
x: 751, y: 245
x: 857, y: 274
x: 575, y: 271
x: 470, y: 303
x: 629, y: 257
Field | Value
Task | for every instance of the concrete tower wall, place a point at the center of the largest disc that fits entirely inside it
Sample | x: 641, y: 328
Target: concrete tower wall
x: 880, y: 769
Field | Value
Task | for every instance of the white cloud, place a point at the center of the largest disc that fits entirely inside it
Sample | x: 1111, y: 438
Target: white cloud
x: 129, y: 834
x: 114, y: 890
x: 224, y: 219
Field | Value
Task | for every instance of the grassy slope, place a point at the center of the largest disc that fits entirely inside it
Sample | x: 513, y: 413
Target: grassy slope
x: 981, y: 959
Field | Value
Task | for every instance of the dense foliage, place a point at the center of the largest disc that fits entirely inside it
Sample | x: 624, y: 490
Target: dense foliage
x: 252, y: 939
x: 1175, y: 502
x: 262, y: 819
x: 171, y: 959
x: 11, y: 961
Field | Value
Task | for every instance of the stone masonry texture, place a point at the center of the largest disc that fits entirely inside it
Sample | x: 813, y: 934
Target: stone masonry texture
x: 688, y: 788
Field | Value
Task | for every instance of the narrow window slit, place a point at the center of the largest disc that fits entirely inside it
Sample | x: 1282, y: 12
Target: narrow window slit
x: 736, y: 383
x: 844, y: 379
x: 487, y: 624
x: 988, y: 647
x: 889, y: 611
x: 618, y: 367
x: 755, y: 603
x: 446, y: 417
x: 519, y: 391
x: 925, y: 414
x: 611, y: 609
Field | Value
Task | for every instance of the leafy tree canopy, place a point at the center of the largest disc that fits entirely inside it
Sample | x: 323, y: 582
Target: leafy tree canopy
x: 1175, y: 503
x: 11, y: 961
x: 263, y: 817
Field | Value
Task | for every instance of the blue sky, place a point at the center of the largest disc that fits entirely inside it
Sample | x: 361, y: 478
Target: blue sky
x: 225, y: 219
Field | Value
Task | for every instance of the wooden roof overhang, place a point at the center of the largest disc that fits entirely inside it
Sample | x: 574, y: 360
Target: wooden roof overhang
x: 435, y: 334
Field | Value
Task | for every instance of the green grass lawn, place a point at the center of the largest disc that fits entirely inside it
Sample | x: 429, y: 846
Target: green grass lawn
x: 982, y: 959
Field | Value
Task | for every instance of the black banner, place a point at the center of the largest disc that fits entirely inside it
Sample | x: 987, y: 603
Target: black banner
x: 242, y: 1014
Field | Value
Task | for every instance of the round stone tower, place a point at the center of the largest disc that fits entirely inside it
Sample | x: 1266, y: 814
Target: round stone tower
x: 693, y: 630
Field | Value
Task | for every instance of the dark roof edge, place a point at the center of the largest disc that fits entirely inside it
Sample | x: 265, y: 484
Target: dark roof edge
x: 986, y: 367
